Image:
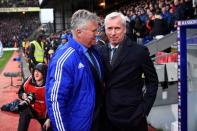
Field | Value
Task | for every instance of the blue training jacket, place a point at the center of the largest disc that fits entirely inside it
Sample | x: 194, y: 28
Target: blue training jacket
x: 70, y: 89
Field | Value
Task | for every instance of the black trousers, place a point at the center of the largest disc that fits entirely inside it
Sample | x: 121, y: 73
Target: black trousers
x: 100, y: 122
x: 142, y: 126
x: 25, y: 116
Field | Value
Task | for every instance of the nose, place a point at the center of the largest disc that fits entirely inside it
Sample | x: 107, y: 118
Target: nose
x: 113, y: 32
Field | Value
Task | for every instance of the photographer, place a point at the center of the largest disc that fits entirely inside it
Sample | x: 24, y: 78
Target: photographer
x: 32, y: 95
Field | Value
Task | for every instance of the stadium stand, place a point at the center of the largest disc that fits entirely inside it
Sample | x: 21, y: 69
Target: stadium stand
x: 19, y: 3
x: 19, y: 19
x: 145, y: 17
x: 159, y: 17
x: 14, y: 27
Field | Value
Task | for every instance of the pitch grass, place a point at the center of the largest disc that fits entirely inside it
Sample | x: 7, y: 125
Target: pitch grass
x: 4, y: 59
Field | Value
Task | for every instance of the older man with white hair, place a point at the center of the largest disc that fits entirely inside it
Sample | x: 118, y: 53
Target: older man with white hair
x: 74, y: 79
x: 127, y: 104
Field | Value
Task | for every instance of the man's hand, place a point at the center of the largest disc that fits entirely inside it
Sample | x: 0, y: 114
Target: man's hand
x: 47, y: 124
x: 24, y: 96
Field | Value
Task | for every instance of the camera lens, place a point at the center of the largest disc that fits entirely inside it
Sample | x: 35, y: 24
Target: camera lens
x: 25, y: 103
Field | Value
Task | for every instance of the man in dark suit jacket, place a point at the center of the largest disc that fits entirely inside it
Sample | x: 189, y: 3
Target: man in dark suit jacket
x: 128, y: 101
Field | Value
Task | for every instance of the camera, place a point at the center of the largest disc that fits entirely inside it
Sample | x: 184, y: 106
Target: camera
x: 25, y: 103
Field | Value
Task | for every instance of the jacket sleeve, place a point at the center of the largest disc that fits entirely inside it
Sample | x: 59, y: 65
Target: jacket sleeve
x: 31, y: 54
x: 151, y: 87
x: 151, y: 82
x: 58, y: 91
x: 21, y: 89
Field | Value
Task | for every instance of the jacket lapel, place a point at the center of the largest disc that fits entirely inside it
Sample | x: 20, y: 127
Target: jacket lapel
x: 106, y: 56
x: 99, y: 61
x: 121, y: 54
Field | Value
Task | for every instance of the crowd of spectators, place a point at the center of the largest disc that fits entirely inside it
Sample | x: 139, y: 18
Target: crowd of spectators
x: 154, y: 19
x: 19, y: 3
x: 147, y: 20
x: 16, y: 26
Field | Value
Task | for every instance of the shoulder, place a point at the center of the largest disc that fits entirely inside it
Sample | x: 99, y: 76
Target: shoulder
x: 132, y: 45
x: 101, y: 48
x: 28, y: 80
x: 143, y: 51
x: 141, y: 48
x: 32, y: 44
x: 65, y: 56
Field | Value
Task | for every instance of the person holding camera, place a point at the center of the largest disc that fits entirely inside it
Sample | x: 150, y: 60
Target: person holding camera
x: 32, y: 95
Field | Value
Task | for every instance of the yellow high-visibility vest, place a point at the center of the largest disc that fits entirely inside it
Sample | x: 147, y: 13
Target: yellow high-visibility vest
x: 23, y: 44
x: 39, y: 51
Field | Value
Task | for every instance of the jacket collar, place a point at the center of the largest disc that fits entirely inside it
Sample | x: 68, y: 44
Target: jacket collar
x: 122, y: 52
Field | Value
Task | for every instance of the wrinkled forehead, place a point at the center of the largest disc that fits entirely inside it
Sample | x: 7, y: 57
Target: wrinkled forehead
x: 114, y: 21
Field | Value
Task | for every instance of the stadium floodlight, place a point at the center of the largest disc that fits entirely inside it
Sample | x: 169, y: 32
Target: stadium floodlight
x: 102, y: 3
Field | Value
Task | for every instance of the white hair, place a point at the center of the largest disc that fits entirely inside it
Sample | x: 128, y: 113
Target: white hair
x: 114, y: 15
x: 81, y: 17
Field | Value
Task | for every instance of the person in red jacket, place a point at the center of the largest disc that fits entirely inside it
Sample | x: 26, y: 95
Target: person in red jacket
x: 32, y: 95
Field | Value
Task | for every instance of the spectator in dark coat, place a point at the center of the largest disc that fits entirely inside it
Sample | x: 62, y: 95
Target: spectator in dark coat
x: 179, y: 13
x: 139, y: 30
x: 189, y: 10
x: 159, y: 25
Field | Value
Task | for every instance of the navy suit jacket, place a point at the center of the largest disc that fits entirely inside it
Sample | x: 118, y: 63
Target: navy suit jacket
x: 126, y: 101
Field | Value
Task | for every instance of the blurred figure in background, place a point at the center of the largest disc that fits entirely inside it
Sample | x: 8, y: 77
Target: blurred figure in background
x: 101, y: 37
x: 1, y: 48
x: 139, y: 30
x: 64, y: 39
x: 37, y: 52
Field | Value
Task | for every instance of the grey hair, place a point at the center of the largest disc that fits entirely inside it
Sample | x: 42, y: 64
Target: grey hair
x: 81, y: 17
x: 114, y: 15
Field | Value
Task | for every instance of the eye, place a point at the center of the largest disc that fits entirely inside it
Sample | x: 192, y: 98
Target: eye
x: 109, y: 28
x: 117, y: 29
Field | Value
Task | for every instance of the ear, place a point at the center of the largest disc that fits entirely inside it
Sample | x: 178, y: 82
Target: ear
x: 78, y: 31
x: 125, y: 30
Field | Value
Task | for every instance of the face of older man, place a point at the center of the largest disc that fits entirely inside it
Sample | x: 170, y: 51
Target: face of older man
x: 115, y: 30
x: 87, y: 35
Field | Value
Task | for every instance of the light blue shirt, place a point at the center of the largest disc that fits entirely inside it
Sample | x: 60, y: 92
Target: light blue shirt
x: 85, y: 51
